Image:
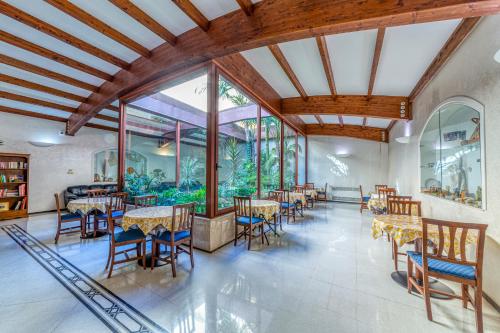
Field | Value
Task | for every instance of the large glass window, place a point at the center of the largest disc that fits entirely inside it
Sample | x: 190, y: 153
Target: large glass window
x: 270, y: 146
x: 166, y: 143
x: 301, y: 163
x: 237, y: 144
x: 450, y: 155
x: 289, y: 158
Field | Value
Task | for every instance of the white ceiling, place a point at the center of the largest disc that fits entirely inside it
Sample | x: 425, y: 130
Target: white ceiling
x: 406, y: 53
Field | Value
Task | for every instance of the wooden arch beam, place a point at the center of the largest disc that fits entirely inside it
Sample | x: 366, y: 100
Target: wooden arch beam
x: 268, y: 26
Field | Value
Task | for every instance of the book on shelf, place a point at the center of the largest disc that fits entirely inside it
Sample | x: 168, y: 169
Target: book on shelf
x: 13, y: 165
x: 8, y: 193
x: 22, y: 190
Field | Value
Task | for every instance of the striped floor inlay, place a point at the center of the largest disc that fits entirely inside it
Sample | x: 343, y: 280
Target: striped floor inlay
x: 113, y: 311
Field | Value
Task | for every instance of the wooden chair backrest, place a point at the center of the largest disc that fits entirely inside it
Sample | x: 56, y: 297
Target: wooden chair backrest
x: 97, y: 193
x: 276, y: 196
x: 243, y: 206
x: 309, y: 186
x: 383, y: 193
x: 404, y: 206
x: 111, y: 224
x: 299, y: 188
x: 182, y: 218
x: 378, y: 187
x: 457, y: 232
x: 149, y: 200
x: 117, y: 200
x: 361, y: 192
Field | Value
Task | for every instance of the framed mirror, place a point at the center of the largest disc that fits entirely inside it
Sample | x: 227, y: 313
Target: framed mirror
x: 452, y: 153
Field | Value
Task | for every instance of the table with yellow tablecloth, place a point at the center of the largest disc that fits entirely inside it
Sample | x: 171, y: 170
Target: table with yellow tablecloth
x: 86, y: 205
x: 266, y: 208
x: 149, y: 218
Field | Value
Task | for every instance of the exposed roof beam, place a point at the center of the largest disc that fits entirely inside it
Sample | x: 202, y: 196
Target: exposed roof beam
x: 303, y: 20
x: 246, y: 6
x: 59, y: 34
x: 140, y: 16
x: 341, y: 121
x: 194, y: 14
x: 113, y: 108
x: 364, y: 122
x: 376, y: 58
x: 348, y: 105
x: 352, y: 131
x: 31, y: 47
x: 37, y: 115
x: 320, y: 121
x: 39, y: 102
x: 455, y: 40
x: 4, y: 59
x: 84, y: 17
x: 391, y: 125
x: 327, y: 65
x: 280, y: 58
x: 35, y: 86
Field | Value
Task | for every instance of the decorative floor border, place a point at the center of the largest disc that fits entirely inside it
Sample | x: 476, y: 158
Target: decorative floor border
x: 114, y: 312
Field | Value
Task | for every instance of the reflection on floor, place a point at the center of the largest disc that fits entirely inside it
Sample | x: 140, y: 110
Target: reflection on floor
x: 324, y: 274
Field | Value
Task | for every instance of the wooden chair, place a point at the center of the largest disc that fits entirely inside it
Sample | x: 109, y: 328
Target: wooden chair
x: 97, y: 193
x: 309, y: 186
x: 149, y: 200
x: 450, y: 266
x: 124, y: 238
x: 384, y: 193
x: 179, y: 238
x: 299, y: 206
x: 378, y: 187
x: 278, y: 197
x: 243, y: 217
x: 322, y: 195
x: 363, y: 204
x: 118, y: 208
x: 65, y: 222
x: 402, y: 207
x: 309, y: 198
x: 286, y: 208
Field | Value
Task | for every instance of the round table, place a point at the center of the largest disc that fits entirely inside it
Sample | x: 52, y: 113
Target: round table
x: 269, y: 210
x: 297, y: 196
x: 85, y: 207
x: 312, y: 193
x: 377, y: 205
x: 404, y: 229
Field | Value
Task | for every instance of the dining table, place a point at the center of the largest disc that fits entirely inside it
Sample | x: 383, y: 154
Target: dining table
x: 376, y: 204
x: 267, y: 209
x: 86, y: 207
x: 405, y: 229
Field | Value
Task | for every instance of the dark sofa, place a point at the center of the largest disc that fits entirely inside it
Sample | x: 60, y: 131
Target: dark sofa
x: 80, y: 191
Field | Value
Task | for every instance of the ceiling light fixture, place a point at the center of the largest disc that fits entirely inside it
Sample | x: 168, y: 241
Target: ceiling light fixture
x: 41, y: 144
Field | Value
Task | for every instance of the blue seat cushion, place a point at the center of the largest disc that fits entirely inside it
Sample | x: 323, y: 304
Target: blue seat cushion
x: 443, y: 267
x: 246, y: 220
x: 287, y: 205
x: 179, y: 235
x: 366, y: 199
x: 117, y: 214
x: 131, y: 234
x: 71, y: 216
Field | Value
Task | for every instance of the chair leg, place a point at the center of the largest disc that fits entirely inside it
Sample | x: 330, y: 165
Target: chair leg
x: 109, y: 256
x: 191, y: 254
x: 478, y: 307
x: 427, y: 297
x: 249, y: 237
x: 172, y: 260
x: 262, y: 232
x: 395, y: 254
x: 144, y: 254
x: 112, y: 262
x: 465, y: 298
x: 409, y: 275
x: 235, y: 233
x: 58, y: 232
x: 153, y: 254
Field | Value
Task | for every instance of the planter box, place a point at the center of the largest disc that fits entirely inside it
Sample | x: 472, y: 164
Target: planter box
x: 211, y: 234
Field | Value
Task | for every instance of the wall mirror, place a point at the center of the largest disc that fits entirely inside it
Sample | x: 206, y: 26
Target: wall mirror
x: 452, y: 153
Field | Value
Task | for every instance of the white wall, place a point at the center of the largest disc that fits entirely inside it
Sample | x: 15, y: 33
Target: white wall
x: 470, y: 72
x: 52, y: 169
x: 366, y: 165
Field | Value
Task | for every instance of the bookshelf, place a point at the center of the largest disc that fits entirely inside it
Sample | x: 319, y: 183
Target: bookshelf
x: 14, y: 178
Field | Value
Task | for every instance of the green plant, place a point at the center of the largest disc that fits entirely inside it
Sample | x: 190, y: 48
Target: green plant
x: 190, y: 169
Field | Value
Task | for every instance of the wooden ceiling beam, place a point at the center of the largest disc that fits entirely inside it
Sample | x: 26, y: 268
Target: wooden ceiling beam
x: 376, y: 58
x: 84, y: 17
x: 193, y: 13
x: 113, y: 108
x: 35, y: 86
x: 31, y: 47
x: 348, y: 105
x: 37, y: 115
x: 59, y: 34
x: 453, y: 42
x: 327, y: 65
x: 268, y: 26
x: 4, y: 59
x: 320, y: 121
x: 280, y: 58
x: 246, y: 6
x: 352, y: 131
x: 391, y: 125
x: 140, y: 16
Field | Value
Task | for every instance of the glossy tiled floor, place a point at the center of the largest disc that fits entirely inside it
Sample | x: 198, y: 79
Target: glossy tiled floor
x: 325, y: 274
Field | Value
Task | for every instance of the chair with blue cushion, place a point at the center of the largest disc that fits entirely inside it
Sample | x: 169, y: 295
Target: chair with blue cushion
x: 120, y: 238
x: 287, y: 208
x: 243, y: 217
x: 450, y: 262
x: 118, y: 208
x: 364, y: 200
x: 66, y: 223
x: 179, y: 238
